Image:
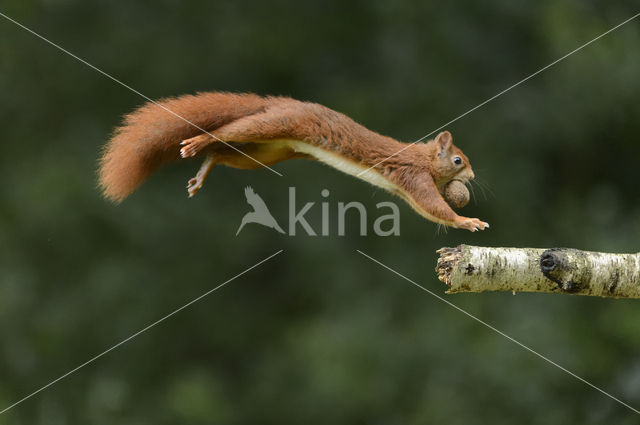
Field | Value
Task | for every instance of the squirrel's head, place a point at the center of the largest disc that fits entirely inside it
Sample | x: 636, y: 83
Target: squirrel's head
x: 447, y: 161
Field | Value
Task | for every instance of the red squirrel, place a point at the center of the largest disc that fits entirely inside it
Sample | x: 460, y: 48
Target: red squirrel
x: 274, y: 129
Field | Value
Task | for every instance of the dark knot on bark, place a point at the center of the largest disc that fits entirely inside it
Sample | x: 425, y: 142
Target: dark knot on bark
x: 565, y: 266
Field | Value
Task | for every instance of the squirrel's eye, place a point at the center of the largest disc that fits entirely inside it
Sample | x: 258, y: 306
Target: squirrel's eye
x: 457, y: 160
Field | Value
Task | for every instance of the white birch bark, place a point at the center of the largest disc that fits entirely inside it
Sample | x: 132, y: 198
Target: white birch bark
x: 559, y: 270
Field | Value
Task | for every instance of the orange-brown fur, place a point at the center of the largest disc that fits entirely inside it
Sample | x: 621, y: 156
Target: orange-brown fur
x: 152, y: 136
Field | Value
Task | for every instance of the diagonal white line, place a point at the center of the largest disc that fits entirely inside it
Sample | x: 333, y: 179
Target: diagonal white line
x: 503, y: 92
x: 135, y: 91
x: 91, y: 360
x: 499, y: 332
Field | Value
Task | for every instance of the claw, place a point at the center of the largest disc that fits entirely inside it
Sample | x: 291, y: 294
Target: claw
x: 472, y: 224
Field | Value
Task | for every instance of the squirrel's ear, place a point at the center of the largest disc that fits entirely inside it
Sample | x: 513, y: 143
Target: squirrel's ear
x: 443, y: 141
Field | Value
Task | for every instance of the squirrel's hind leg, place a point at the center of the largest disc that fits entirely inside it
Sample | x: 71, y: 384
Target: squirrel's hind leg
x: 190, y: 147
x: 196, y: 182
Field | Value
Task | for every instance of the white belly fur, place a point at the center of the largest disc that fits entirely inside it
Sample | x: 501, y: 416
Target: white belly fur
x: 345, y: 165
x: 353, y: 168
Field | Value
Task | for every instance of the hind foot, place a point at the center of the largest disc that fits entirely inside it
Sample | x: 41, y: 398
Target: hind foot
x: 192, y: 146
x: 195, y: 184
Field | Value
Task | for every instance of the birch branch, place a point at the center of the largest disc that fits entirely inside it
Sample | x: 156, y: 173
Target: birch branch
x: 558, y: 270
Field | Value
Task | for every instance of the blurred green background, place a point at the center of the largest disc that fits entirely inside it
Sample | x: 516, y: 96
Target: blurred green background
x: 318, y: 334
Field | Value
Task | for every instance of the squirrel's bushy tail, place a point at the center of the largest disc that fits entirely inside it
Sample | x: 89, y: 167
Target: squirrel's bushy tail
x: 150, y: 136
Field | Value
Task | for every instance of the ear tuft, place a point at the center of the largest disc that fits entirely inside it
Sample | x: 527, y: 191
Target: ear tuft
x: 443, y: 140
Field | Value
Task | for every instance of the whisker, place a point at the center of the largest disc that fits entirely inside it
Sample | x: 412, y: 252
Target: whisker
x: 485, y: 185
x: 439, y: 227
x: 484, y: 195
x: 473, y: 193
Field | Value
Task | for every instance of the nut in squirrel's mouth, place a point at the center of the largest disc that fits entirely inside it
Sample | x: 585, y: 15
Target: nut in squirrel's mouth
x: 456, y: 193
x: 465, y: 182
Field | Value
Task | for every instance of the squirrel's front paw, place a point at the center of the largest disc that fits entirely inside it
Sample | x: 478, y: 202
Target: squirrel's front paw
x: 471, y: 224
